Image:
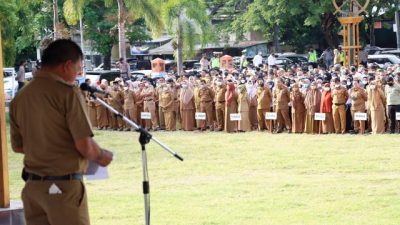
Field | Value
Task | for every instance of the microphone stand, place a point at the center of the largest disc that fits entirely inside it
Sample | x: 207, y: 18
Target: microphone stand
x: 144, y: 139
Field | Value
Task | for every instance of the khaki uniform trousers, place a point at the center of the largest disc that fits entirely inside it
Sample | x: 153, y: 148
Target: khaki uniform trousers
x: 150, y: 106
x: 102, y: 116
x: 339, y: 118
x: 220, y: 115
x: 207, y: 108
x: 170, y: 122
x: 283, y: 119
x: 93, y: 115
x: 161, y: 118
x: 262, y: 122
x: 359, y: 125
x: 69, y: 207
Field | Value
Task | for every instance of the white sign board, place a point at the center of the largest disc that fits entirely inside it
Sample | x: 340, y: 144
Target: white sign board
x: 271, y: 116
x: 236, y: 117
x: 397, y: 116
x: 145, y: 115
x: 360, y: 116
x: 320, y: 116
x: 200, y: 116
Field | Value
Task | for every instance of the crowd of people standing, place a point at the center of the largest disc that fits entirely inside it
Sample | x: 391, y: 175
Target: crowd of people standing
x: 359, y: 99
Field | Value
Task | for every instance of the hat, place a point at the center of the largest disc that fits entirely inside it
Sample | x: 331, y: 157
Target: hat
x: 327, y: 85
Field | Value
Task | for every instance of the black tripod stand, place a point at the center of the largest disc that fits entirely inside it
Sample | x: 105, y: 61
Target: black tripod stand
x: 144, y: 139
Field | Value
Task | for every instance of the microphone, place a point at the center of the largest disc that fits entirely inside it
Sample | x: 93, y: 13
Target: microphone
x: 86, y: 87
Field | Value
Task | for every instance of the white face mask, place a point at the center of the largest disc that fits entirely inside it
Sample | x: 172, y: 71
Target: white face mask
x: 243, y: 81
x: 365, y: 82
x: 184, y: 86
x: 219, y: 83
x: 372, y: 87
x: 327, y: 89
x: 125, y: 88
x: 165, y: 88
x: 337, y: 85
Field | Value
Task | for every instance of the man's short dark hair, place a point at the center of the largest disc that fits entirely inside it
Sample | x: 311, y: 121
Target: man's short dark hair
x: 60, y: 51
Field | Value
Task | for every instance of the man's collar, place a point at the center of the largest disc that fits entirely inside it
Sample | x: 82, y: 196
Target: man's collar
x: 50, y: 75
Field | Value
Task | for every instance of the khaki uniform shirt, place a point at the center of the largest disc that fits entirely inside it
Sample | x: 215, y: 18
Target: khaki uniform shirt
x: 282, y: 97
x: 46, y: 118
x: 358, y: 98
x: 339, y: 96
x: 206, y: 94
x: 220, y: 97
x: 264, y: 98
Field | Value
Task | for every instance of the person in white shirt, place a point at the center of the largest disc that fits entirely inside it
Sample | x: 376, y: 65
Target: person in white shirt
x: 257, y: 60
x: 271, y: 60
x: 204, y: 63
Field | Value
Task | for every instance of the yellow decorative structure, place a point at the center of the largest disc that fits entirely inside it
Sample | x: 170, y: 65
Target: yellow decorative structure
x: 351, y: 29
x: 4, y: 186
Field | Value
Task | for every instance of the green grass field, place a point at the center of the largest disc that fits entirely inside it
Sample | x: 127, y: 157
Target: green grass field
x: 250, y: 178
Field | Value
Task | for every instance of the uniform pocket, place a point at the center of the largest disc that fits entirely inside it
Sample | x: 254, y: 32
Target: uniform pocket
x: 82, y: 195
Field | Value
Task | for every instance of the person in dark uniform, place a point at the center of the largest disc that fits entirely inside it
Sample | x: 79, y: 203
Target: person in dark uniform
x: 50, y: 126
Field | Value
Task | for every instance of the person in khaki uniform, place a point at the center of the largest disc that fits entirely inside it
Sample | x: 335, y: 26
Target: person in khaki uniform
x: 220, y: 105
x: 264, y: 99
x: 282, y: 97
x: 231, y: 106
x: 139, y: 104
x: 298, y: 109
x: 252, y: 91
x: 244, y: 108
x: 161, y: 119
x: 312, y: 102
x: 167, y: 104
x: 148, y: 94
x: 206, y: 95
x: 54, y: 192
x: 376, y: 103
x: 116, y: 100
x: 129, y: 104
x: 187, y: 106
x: 339, y: 99
x: 91, y: 106
x: 197, y: 101
x: 101, y: 111
x: 358, y: 99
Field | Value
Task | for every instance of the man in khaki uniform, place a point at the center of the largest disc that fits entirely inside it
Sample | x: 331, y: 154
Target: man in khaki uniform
x: 129, y: 105
x: 206, y: 95
x: 49, y: 125
x: 282, y: 99
x: 116, y: 100
x: 158, y: 91
x: 339, y: 99
x: 149, y: 95
x: 220, y: 104
x: 264, y: 98
x: 358, y: 99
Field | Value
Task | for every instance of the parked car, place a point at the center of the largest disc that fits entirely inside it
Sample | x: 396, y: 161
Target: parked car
x: 10, y: 84
x: 96, y: 76
x: 284, y: 63
x: 298, y: 59
x: 392, y: 52
x: 383, y: 60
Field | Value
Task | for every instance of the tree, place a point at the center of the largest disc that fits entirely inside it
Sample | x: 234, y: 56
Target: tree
x: 188, y: 21
x: 100, y: 29
x: 8, y: 23
x: 131, y: 10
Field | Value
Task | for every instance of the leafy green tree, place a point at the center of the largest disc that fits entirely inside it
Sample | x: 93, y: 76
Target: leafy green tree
x: 188, y: 21
x: 8, y: 24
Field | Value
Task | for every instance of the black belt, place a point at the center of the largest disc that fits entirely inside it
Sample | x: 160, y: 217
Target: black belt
x: 338, y: 104
x: 30, y: 176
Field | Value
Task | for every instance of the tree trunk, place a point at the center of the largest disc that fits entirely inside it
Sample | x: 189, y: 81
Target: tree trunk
x: 276, y: 37
x: 121, y: 30
x: 107, y: 61
x: 180, y: 48
x: 328, y: 21
x: 55, y: 20
x: 371, y: 26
